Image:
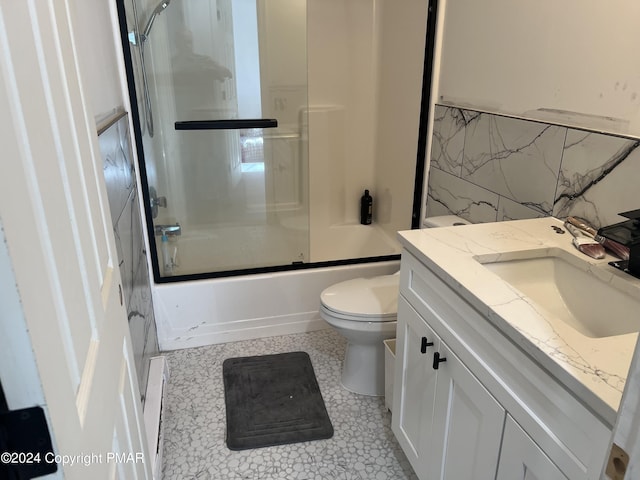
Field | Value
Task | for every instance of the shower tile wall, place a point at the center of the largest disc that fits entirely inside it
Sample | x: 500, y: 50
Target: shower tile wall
x: 119, y: 173
x: 488, y: 168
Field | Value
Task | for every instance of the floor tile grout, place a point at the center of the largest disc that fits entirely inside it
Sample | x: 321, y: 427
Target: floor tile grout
x: 362, y: 448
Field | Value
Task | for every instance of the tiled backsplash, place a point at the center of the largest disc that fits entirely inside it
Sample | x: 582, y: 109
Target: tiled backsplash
x: 488, y: 168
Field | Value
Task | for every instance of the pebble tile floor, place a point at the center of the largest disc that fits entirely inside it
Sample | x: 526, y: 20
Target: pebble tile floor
x: 362, y: 447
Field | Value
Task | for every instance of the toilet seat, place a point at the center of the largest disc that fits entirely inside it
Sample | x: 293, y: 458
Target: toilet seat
x: 337, y: 316
x: 363, y: 299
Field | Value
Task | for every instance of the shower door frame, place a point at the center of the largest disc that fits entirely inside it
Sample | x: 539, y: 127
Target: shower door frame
x: 418, y: 194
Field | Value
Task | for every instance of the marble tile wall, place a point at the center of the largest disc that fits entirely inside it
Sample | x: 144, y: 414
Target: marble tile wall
x: 119, y: 173
x: 488, y: 168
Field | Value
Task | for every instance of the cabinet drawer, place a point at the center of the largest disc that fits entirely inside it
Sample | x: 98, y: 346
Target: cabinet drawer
x: 567, y: 431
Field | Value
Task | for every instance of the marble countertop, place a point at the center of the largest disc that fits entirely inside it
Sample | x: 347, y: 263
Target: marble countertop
x: 594, y: 369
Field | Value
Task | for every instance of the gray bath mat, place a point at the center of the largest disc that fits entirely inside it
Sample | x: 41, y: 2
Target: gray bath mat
x: 273, y: 400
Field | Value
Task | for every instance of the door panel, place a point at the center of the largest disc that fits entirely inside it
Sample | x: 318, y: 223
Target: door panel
x: 413, y: 402
x: 54, y: 210
x: 522, y: 459
x: 467, y: 422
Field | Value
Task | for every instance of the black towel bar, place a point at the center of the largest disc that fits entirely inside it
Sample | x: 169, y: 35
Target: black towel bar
x: 227, y: 124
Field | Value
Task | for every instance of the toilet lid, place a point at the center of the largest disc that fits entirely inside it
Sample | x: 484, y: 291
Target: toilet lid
x: 364, y: 297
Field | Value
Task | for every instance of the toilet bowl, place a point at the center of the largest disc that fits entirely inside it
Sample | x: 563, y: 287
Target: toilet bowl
x: 365, y: 311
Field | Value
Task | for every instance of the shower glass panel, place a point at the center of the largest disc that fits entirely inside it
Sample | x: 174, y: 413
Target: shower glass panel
x: 222, y: 99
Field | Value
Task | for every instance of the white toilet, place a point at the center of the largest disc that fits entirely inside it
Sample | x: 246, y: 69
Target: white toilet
x: 365, y: 311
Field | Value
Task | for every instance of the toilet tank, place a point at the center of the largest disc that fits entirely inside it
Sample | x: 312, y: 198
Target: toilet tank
x: 444, y: 221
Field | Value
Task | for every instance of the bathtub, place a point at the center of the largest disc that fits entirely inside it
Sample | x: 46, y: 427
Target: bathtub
x: 239, y: 246
x: 204, y: 312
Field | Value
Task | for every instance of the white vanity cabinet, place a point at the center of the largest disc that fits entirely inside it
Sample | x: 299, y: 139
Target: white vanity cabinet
x: 444, y: 409
x: 521, y: 458
x: 413, y: 420
x: 488, y: 411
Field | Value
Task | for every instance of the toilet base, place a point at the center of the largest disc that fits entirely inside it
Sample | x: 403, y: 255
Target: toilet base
x: 363, y: 369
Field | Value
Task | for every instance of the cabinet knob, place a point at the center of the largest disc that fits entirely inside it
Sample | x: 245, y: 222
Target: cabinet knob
x: 437, y: 360
x: 425, y: 344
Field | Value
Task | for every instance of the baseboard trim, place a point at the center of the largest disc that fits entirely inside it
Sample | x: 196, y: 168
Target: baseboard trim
x: 155, y: 401
x: 243, y: 330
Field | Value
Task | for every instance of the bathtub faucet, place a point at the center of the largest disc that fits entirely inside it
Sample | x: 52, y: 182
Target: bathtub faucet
x: 170, y: 230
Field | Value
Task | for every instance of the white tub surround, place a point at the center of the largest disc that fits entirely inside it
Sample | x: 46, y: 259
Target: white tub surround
x: 351, y: 241
x: 593, y: 369
x: 204, y: 312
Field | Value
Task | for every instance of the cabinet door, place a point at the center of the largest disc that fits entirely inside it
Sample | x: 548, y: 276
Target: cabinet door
x: 522, y: 459
x: 414, y: 388
x: 467, y: 424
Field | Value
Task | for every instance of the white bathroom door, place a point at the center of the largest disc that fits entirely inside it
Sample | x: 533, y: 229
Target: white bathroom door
x: 54, y: 213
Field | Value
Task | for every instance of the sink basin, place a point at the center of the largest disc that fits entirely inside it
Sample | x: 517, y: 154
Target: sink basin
x: 563, y: 288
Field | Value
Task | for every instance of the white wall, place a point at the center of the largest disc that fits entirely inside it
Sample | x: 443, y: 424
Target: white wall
x: 100, y: 55
x: 400, y: 68
x: 576, y: 56
x: 247, y: 74
x: 284, y: 50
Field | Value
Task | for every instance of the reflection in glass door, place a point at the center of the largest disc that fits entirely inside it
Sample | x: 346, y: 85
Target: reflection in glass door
x: 222, y: 98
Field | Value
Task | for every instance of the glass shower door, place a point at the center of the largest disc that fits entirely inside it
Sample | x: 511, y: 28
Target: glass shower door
x: 222, y: 89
